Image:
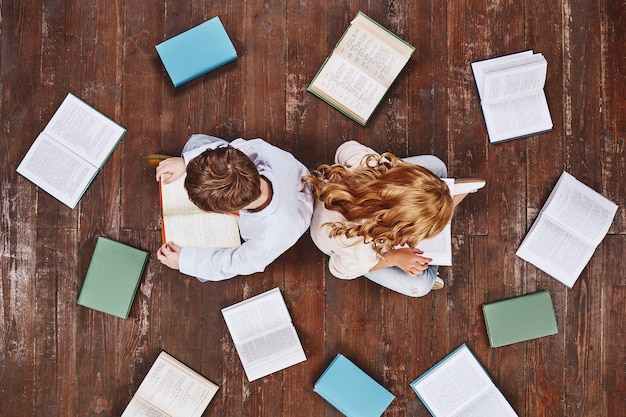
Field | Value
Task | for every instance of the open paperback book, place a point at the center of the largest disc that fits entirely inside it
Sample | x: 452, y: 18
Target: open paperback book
x: 264, y: 335
x: 71, y: 150
x: 511, y: 90
x: 171, y: 389
x: 459, y: 386
x: 188, y: 226
x: 362, y: 67
x: 439, y: 248
x: 570, y: 226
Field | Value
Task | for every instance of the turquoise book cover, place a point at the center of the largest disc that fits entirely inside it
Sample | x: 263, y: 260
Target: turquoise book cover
x: 350, y: 390
x: 196, y: 51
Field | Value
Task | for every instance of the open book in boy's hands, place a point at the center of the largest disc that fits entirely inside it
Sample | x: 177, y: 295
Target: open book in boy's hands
x: 570, y: 226
x: 188, y: 226
x: 511, y: 94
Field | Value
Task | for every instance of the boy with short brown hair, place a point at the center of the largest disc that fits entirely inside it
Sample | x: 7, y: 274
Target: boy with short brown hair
x: 251, y: 179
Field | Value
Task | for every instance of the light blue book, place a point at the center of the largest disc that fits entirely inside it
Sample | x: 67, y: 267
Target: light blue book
x: 197, y: 51
x: 351, y: 391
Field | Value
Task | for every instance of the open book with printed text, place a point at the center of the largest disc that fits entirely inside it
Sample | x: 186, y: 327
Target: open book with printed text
x: 459, y: 386
x: 439, y: 247
x: 264, y: 335
x: 71, y: 150
x: 362, y: 67
x: 188, y: 226
x: 570, y: 226
x: 512, y: 96
x: 171, y: 389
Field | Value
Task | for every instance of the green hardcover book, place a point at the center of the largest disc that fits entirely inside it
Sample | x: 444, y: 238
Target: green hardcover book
x: 520, y: 318
x: 112, y: 278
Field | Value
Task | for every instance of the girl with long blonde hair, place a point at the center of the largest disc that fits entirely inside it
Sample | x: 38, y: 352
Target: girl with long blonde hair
x: 372, y: 211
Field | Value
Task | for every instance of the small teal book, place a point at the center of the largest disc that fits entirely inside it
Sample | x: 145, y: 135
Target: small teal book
x: 197, y: 51
x: 350, y: 390
x: 112, y: 277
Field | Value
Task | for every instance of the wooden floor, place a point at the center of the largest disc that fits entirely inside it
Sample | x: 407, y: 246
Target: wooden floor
x: 59, y: 359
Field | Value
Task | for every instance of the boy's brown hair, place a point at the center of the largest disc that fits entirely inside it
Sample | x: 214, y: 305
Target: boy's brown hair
x: 222, y: 180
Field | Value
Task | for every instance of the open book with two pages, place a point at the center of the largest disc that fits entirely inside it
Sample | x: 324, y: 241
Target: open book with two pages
x: 459, y: 386
x: 439, y: 248
x: 511, y: 91
x: 188, y: 226
x: 570, y: 226
x: 71, y: 150
x: 361, y: 68
x: 171, y: 389
x: 263, y: 334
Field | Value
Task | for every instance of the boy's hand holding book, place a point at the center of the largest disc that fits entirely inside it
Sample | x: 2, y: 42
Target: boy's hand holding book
x: 171, y: 169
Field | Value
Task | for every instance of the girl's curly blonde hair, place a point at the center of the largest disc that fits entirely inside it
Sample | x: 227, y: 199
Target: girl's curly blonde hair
x: 386, y: 201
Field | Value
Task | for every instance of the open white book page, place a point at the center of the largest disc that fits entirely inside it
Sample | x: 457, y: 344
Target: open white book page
x: 57, y: 170
x: 84, y: 130
x: 479, y: 67
x: 580, y: 208
x: 519, y: 116
x: 458, y: 385
x: 374, y: 50
x: 505, y: 82
x: 172, y: 389
x: 555, y: 250
x: 572, y: 223
x: 348, y: 88
x: 439, y: 247
x: 190, y: 227
x: 264, y: 335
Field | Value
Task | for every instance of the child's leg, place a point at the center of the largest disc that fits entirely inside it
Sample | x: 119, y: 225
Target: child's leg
x: 197, y: 140
x: 430, y: 162
x: 397, y: 280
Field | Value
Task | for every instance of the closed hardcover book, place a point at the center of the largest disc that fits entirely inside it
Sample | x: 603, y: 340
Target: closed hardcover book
x: 112, y: 277
x: 196, y: 51
x: 521, y: 318
x: 350, y: 390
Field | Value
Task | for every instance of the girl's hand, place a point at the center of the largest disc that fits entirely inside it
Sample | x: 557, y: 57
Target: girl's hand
x: 409, y: 260
x: 169, y: 254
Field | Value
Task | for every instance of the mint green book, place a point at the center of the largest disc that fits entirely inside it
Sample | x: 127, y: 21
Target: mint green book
x: 112, y: 277
x: 521, y: 318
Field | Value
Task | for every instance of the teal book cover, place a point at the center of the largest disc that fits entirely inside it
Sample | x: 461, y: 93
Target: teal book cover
x: 112, y: 277
x: 196, y: 51
x: 521, y: 318
x: 350, y: 390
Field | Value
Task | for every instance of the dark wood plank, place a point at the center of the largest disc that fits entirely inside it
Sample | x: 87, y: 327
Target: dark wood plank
x: 57, y: 358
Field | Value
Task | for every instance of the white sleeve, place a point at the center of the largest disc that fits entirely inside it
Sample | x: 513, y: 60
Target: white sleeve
x: 351, y: 154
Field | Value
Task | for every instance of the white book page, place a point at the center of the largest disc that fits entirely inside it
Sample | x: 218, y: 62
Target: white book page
x: 581, y: 209
x: 263, y: 334
x: 439, y: 247
x: 479, y: 67
x: 190, y: 227
x: 174, y: 389
x: 84, y: 130
x: 456, y: 383
x: 347, y: 87
x: 139, y: 408
x: 516, y: 117
x: 57, y: 170
x: 505, y: 82
x: 555, y: 250
x: 373, y: 50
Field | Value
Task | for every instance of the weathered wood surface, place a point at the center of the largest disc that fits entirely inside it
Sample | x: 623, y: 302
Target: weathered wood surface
x: 57, y: 358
